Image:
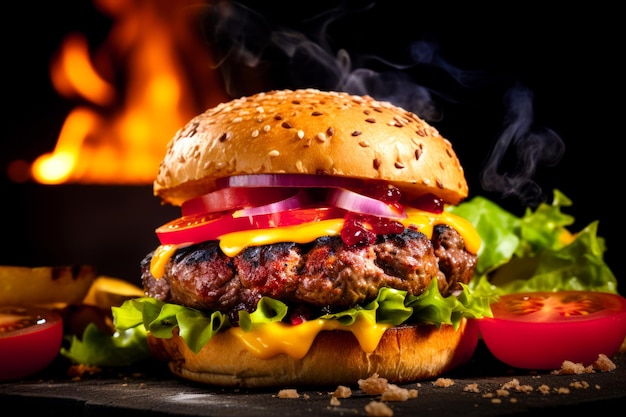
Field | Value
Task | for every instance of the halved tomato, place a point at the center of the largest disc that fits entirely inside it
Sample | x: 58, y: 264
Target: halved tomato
x: 30, y: 339
x: 540, y: 330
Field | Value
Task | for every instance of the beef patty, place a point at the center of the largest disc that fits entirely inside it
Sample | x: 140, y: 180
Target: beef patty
x: 325, y: 274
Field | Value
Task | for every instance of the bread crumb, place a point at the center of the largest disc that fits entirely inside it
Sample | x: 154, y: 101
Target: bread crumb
x: 579, y: 385
x: 515, y: 384
x: 342, y: 392
x: 496, y: 401
x: 288, y: 393
x: 571, y: 368
x: 443, y: 382
x: 471, y: 388
x: 334, y: 401
x: 544, y: 389
x: 374, y: 385
x: 604, y: 364
x: 378, y: 409
x: 395, y: 393
x: 502, y: 392
x: 562, y: 390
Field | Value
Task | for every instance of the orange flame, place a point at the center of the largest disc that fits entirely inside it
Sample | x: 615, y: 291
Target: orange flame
x: 119, y: 137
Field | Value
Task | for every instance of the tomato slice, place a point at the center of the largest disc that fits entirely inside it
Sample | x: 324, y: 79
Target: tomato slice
x: 199, y: 228
x: 540, y: 330
x: 30, y: 339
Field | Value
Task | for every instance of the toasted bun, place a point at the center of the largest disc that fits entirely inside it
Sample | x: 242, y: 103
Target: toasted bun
x: 404, y: 354
x: 310, y: 132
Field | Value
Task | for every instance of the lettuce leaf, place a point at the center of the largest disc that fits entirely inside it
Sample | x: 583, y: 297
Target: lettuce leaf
x: 535, y: 252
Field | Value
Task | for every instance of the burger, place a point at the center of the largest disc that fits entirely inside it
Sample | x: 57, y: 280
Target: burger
x: 314, y: 246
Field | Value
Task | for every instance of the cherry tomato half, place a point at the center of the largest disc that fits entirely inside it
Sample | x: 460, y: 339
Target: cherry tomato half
x: 30, y: 339
x: 199, y: 228
x: 540, y: 330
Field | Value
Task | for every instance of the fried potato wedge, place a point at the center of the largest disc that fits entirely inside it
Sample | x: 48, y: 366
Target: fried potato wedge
x: 45, y: 285
x: 107, y: 292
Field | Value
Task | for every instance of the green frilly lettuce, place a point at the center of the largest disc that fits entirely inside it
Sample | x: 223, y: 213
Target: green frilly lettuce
x: 136, y: 317
x: 535, y: 252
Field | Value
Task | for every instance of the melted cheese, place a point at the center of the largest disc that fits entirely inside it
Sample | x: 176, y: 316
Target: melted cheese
x: 233, y: 243
x: 271, y: 339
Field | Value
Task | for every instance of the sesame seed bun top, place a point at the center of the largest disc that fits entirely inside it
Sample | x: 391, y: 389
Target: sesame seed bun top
x: 310, y: 132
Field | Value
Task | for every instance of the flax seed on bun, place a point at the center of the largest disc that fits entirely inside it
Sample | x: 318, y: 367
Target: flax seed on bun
x: 310, y: 132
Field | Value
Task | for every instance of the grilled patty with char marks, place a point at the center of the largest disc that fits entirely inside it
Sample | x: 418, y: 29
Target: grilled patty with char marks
x: 325, y: 274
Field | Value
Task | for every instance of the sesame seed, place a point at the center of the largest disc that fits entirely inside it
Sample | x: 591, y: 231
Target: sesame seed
x: 300, y: 134
x: 260, y: 109
x: 321, y: 137
x: 330, y: 131
x: 237, y: 120
x: 286, y: 125
x: 255, y: 133
x: 266, y: 128
x: 418, y: 153
x: 370, y: 120
x: 224, y: 137
x: 273, y: 152
x: 356, y: 133
x: 376, y: 163
x: 398, y: 165
x: 439, y: 184
x: 278, y: 117
x: 317, y: 113
x: 363, y: 144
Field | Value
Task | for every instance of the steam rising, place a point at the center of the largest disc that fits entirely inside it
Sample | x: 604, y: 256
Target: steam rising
x: 532, y: 147
x: 252, y: 44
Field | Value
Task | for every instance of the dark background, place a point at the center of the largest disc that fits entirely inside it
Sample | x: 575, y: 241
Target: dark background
x: 570, y: 59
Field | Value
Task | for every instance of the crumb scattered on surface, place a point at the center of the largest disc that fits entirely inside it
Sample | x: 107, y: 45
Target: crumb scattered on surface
x: 514, y: 384
x: 602, y: 364
x: 378, y: 409
x: 342, y: 392
x: 288, y: 393
x: 579, y: 385
x: 443, y: 382
x: 396, y: 393
x: 544, y: 389
x: 471, y: 388
x: 374, y: 385
x: 502, y: 392
x: 334, y: 401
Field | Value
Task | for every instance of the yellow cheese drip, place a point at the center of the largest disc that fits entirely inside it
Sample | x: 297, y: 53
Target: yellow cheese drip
x: 271, y: 339
x: 233, y: 243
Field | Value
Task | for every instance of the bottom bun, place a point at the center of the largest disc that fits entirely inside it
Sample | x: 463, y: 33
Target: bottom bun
x: 404, y: 354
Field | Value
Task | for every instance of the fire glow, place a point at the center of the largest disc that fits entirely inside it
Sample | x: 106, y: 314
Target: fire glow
x: 119, y: 135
